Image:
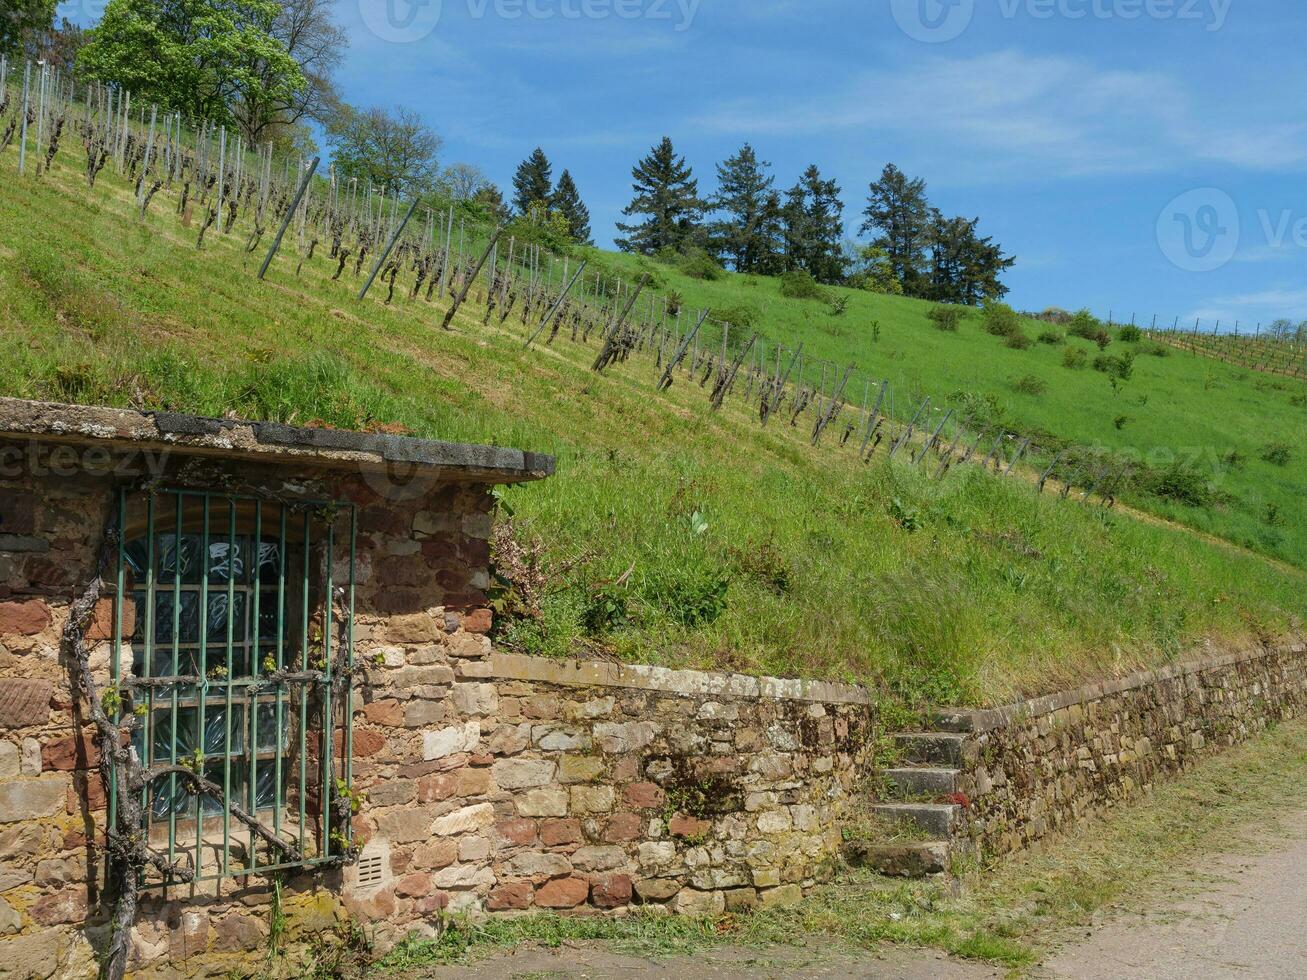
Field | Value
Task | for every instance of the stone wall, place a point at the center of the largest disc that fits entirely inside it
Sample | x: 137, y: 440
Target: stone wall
x: 1033, y: 768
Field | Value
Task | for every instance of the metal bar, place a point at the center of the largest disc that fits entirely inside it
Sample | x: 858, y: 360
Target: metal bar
x: 115, y: 669
x: 558, y: 303
x: 252, y: 651
x: 349, y: 654
x: 328, y: 606
x: 203, y: 664
x: 907, y: 433
x: 304, y: 665
x: 226, y: 679
x: 176, y: 669
x: 467, y: 283
x: 381, y: 259
x: 930, y: 443
x: 280, y: 661
x: 290, y: 213
x: 148, y: 653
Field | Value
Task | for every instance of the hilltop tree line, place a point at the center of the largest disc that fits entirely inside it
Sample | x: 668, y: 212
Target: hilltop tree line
x: 755, y: 228
x: 265, y: 69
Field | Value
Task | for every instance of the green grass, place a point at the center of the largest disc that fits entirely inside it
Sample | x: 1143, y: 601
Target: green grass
x: 1010, y: 915
x: 800, y: 561
x: 1177, y: 407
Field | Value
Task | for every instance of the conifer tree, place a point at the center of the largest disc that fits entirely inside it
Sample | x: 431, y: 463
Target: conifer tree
x: 897, y: 208
x: 533, y: 184
x: 667, y: 194
x: 745, y: 235
x: 567, y: 202
x: 814, y: 227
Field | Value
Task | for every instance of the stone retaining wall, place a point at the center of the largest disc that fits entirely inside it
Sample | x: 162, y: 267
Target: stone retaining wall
x: 1035, y: 767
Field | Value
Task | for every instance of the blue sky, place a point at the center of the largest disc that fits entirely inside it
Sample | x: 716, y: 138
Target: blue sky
x: 1070, y: 127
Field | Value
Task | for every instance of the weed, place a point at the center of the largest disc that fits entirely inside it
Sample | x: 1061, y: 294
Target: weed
x: 1030, y: 385
x: 1277, y: 453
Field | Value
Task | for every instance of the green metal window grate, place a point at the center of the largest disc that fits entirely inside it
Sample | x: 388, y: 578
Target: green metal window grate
x: 232, y: 631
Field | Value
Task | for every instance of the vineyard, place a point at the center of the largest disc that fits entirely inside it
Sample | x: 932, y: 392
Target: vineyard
x: 742, y: 482
x: 1273, y: 356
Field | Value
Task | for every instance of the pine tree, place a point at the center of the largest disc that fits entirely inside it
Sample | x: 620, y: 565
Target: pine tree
x: 744, y: 193
x: 665, y: 191
x: 964, y: 268
x: 814, y: 227
x: 567, y: 202
x: 824, y: 248
x: 533, y: 183
x: 897, y: 208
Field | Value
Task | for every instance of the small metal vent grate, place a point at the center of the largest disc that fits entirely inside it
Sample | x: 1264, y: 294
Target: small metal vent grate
x: 371, y: 869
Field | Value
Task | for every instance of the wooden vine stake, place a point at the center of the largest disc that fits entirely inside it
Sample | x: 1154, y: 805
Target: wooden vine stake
x: 467, y: 283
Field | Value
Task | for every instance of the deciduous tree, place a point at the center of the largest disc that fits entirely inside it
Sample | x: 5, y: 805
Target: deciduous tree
x: 392, y: 149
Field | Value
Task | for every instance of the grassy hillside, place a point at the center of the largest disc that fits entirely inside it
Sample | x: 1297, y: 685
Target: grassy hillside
x: 1176, y: 409
x: 672, y: 534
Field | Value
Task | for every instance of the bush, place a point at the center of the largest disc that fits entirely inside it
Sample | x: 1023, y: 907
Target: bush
x: 740, y: 315
x: 838, y: 304
x: 1052, y: 337
x: 1277, y: 453
x: 799, y: 284
x: 1121, y: 366
x: 1157, y: 350
x: 698, y: 264
x: 1000, y: 319
x: 974, y: 409
x: 945, y: 317
x: 1074, y: 358
x: 1030, y: 385
x: 1017, y: 341
x: 1085, y: 324
x: 1130, y: 334
x: 1181, y: 482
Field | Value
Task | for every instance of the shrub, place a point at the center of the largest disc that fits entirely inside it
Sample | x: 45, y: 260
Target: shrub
x: 675, y: 302
x: 1130, y: 334
x: 698, y: 264
x: 945, y: 317
x: 799, y: 284
x: 838, y: 304
x: 1120, y: 421
x: 1155, y: 349
x: 1030, y: 385
x: 1017, y: 341
x: 1084, y: 324
x: 1121, y: 367
x: 1074, y: 358
x: 740, y: 315
x: 1181, y: 482
x: 1000, y: 319
x: 974, y: 409
x: 1277, y: 453
x: 605, y: 610
x: 1052, y: 337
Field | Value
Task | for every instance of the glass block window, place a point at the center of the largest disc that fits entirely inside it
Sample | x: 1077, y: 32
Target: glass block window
x: 231, y: 639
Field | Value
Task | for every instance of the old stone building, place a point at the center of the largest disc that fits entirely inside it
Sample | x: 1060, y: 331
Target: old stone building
x: 291, y: 628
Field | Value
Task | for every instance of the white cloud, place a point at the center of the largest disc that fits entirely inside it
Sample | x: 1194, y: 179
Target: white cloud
x: 1249, y: 309
x: 1012, y: 113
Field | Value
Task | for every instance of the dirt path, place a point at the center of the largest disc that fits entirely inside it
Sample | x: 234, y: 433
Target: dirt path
x: 583, y: 960
x: 1249, y: 923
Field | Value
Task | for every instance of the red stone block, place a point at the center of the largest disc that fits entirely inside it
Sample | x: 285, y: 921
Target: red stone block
x: 68, y: 905
x: 24, y: 618
x: 366, y: 743
x: 554, y: 833
x: 388, y: 712
x: 24, y: 701
x: 623, y: 827
x: 685, y: 826
x: 611, y: 891
x: 414, y: 885
x: 478, y: 621
x: 432, y: 903
x: 563, y: 893
x: 518, y: 833
x: 644, y: 796
x: 512, y: 895
x: 67, y: 754
x: 101, y: 624
x: 433, y: 789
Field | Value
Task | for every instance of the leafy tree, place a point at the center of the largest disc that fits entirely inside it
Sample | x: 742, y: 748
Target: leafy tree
x: 393, y: 150
x: 462, y: 181
x: 870, y: 270
x: 747, y: 235
x: 490, y: 200
x: 200, y: 57
x: 897, y: 209
x: 667, y: 193
x: 567, y: 202
x: 308, y: 32
x: 20, y: 20
x: 58, y: 45
x: 533, y: 183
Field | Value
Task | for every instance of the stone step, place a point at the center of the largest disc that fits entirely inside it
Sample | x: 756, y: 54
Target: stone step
x: 935, y: 821
x: 917, y: 782
x: 951, y: 750
x: 914, y: 860
x: 946, y: 720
